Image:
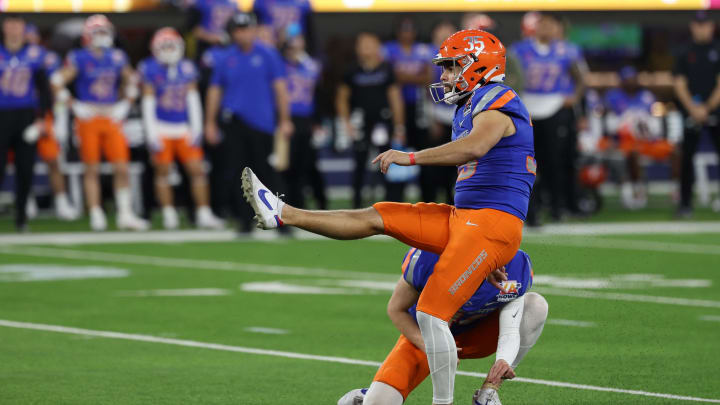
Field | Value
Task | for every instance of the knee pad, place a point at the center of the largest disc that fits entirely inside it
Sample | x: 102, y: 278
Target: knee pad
x: 535, y: 312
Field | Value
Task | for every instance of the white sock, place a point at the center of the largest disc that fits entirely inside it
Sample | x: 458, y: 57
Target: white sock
x: 442, y: 356
x: 380, y: 393
x: 534, y: 315
x: 123, y: 201
x: 280, y: 205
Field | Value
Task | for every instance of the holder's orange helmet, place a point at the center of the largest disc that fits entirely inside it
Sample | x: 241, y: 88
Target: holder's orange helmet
x: 481, y: 57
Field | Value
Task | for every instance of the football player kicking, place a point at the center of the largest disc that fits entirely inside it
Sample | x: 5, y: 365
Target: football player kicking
x: 172, y: 115
x: 501, y: 317
x: 492, y: 143
x: 97, y: 69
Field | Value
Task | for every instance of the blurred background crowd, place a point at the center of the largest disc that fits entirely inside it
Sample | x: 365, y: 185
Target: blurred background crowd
x: 126, y: 116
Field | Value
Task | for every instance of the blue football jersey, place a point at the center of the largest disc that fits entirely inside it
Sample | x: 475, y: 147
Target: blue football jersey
x: 214, y: 14
x: 246, y: 79
x: 281, y: 14
x: 301, y: 80
x: 171, y: 87
x: 504, y: 177
x: 418, y: 265
x: 98, y: 77
x: 412, y: 62
x: 19, y: 72
x: 548, y: 71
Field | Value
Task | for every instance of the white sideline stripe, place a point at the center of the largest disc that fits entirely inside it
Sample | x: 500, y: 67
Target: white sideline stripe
x: 627, y: 297
x: 568, y: 322
x: 626, y: 244
x: 331, y: 359
x: 194, y: 264
x: 711, y: 318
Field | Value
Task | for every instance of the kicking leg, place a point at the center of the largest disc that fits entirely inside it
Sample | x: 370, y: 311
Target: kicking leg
x: 272, y: 212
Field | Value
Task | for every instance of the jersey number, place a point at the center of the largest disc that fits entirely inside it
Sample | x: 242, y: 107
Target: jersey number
x: 104, y: 86
x: 474, y: 44
x: 15, y: 82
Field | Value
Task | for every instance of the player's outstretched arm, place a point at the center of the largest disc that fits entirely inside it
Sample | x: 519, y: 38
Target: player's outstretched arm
x: 488, y: 128
x: 403, y: 297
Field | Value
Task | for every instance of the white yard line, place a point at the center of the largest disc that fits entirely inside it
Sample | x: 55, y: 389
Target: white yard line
x: 183, y: 292
x: 87, y: 238
x: 331, y: 359
x: 686, y: 302
x: 205, y: 265
x: 58, y: 253
x: 267, y: 331
x: 624, y: 244
x: 710, y: 318
x: 568, y: 322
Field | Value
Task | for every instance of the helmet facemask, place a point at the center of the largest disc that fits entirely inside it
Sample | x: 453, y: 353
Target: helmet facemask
x: 459, y: 86
x: 101, y: 37
x: 169, y: 52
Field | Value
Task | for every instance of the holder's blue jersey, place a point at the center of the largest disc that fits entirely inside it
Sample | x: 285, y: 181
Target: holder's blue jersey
x: 547, y: 72
x: 171, y: 87
x: 504, y: 177
x: 418, y: 265
x: 97, y: 78
x: 19, y: 74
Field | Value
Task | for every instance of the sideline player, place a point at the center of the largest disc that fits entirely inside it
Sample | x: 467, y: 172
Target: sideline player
x: 23, y: 102
x: 172, y: 115
x: 493, y: 147
x: 507, y: 320
x: 96, y: 69
x: 48, y: 147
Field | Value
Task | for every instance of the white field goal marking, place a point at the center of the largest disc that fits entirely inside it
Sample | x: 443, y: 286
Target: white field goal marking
x: 331, y: 359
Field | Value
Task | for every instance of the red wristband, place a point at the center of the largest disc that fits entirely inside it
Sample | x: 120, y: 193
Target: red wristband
x: 412, y: 158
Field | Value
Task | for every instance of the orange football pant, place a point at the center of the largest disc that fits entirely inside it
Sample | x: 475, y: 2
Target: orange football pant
x: 471, y: 243
x: 101, y: 134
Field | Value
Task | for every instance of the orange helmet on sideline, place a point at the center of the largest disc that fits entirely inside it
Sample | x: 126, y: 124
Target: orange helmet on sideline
x: 167, y: 46
x: 481, y: 58
x: 98, y: 32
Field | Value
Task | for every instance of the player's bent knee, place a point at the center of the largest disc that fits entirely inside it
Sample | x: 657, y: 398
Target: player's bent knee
x: 373, y: 219
x: 380, y: 393
x: 535, y: 311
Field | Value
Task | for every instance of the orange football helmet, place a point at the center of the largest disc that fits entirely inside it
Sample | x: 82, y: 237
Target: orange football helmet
x: 481, y: 58
x: 98, y: 32
x: 167, y: 46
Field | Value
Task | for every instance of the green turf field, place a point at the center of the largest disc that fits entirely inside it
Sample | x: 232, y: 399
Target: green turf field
x: 649, y: 321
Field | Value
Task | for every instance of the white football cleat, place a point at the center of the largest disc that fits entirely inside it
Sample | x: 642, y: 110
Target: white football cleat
x: 64, y: 211
x: 267, y: 206
x: 131, y: 222
x: 98, y: 222
x: 204, y: 219
x: 354, y: 397
x: 486, y: 396
x: 170, y: 218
